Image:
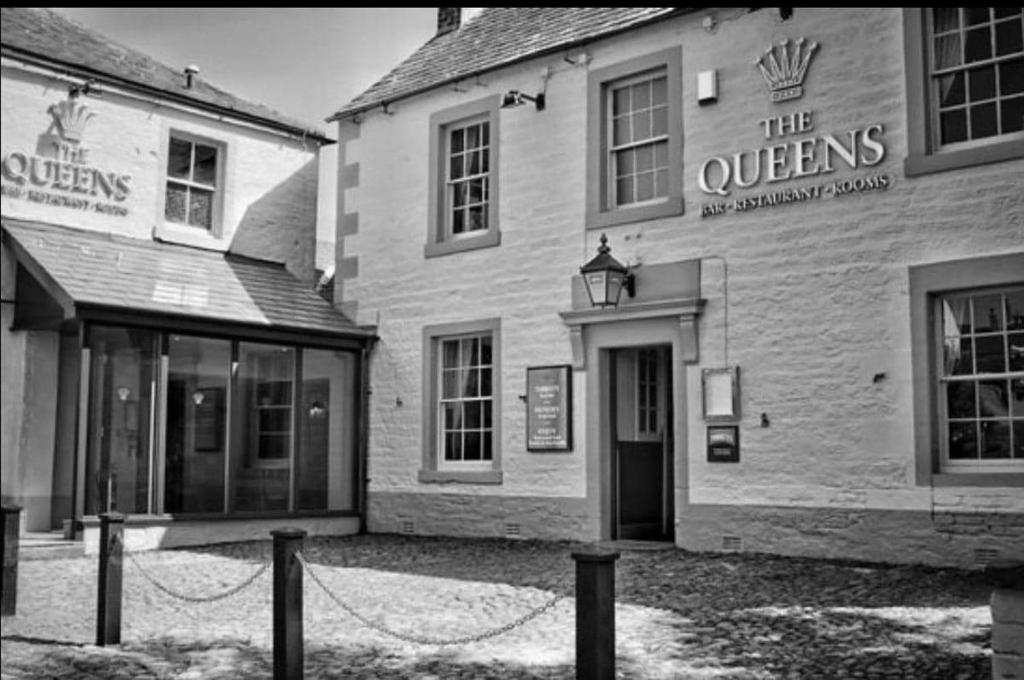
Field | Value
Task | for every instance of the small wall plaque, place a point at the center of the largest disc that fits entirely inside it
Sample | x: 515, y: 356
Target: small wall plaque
x: 723, y: 444
x: 721, y: 393
x: 549, y: 408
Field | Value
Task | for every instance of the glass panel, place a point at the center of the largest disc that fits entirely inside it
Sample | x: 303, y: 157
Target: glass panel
x: 451, y: 380
x: 954, y: 126
x: 957, y: 356
x: 485, y: 134
x: 488, y: 422
x: 659, y: 121
x: 645, y: 158
x: 946, y: 18
x: 624, y: 190
x: 123, y: 379
x: 458, y: 221
x: 325, y: 465
x: 956, y: 315
x: 456, y: 169
x: 642, y: 95
x: 988, y: 313
x: 645, y: 186
x: 472, y: 449
x: 453, y: 446
x: 1016, y: 349
x: 1017, y: 398
x: 982, y: 83
x: 197, y: 388
x: 1018, y: 439
x: 625, y: 165
x: 1008, y: 37
x: 477, y: 218
x: 620, y: 101
x: 261, y: 428
x: 963, y: 441
x: 978, y: 45
x: 485, y: 350
x: 176, y: 203
x: 200, y: 208
x: 993, y: 399
x: 983, y: 121
x: 485, y: 164
x: 450, y: 354
x: 476, y: 190
x: 960, y: 399
x: 452, y: 414
x: 471, y: 351
x: 951, y: 89
x: 641, y: 125
x: 975, y: 15
x: 1011, y: 77
x: 472, y: 382
x: 473, y: 416
x: 457, y: 140
x: 620, y: 131
x: 205, y: 170
x: 472, y: 136
x: 1012, y: 115
x: 179, y: 158
x: 1001, y: 12
x: 947, y: 51
x: 460, y: 193
x: 995, y: 439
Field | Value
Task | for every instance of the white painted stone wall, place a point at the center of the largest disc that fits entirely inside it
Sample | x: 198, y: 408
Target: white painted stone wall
x: 809, y: 299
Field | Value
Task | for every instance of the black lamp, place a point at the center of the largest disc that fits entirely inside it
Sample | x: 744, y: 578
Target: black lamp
x: 605, y: 277
x: 514, y: 98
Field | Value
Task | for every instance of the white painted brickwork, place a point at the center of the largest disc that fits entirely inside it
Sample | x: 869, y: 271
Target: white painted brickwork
x: 818, y: 294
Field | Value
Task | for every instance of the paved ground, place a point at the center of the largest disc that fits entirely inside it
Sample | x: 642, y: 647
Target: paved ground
x: 679, y: 615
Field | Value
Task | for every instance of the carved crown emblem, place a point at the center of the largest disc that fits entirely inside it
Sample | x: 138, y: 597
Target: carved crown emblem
x: 71, y: 117
x: 784, y: 68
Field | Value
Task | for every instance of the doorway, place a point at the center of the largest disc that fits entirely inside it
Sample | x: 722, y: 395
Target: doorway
x: 642, y: 443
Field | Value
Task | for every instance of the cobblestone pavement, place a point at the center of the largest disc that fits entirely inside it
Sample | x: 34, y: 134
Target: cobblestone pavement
x: 678, y: 615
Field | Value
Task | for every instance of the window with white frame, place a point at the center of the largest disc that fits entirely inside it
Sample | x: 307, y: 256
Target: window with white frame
x: 467, y: 190
x: 635, y: 140
x: 637, y: 108
x: 465, y: 424
x: 463, y: 178
x: 192, y: 179
x: 647, y: 392
x: 981, y: 380
x: 976, y: 72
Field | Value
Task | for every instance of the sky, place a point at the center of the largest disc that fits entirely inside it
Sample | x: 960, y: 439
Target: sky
x: 305, y: 63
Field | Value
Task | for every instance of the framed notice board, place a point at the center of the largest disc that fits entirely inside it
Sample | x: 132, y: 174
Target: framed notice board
x: 549, y: 408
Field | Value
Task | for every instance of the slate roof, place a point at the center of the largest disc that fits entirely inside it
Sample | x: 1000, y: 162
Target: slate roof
x: 44, y: 36
x: 110, y: 271
x: 500, y: 36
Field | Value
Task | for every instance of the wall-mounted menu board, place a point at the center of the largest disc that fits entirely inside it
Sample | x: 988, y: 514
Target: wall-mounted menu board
x: 549, y: 408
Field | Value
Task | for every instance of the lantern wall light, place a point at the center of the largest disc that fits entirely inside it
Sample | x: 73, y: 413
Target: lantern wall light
x: 605, y: 277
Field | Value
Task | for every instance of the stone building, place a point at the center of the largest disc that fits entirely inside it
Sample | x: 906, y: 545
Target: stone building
x: 821, y: 213
x: 163, y: 352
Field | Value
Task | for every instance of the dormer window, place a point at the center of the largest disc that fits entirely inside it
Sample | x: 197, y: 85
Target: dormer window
x: 192, y: 179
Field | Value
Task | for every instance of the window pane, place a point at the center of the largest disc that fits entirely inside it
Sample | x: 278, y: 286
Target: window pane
x: 1008, y: 37
x: 1012, y: 114
x: 176, y: 203
x: 485, y: 350
x: 1018, y: 439
x: 476, y: 190
x: 1016, y: 347
x: 472, y: 136
x: 983, y: 121
x: 661, y: 155
x: 620, y: 131
x: 624, y: 163
x: 954, y: 126
x: 951, y: 89
x: 620, y: 101
x: 477, y: 218
x: 956, y: 317
x: 960, y: 399
x: 642, y: 125
x: 488, y: 422
x: 995, y: 439
x: 473, y: 415
x: 471, y: 383
x: 982, y: 83
x: 200, y: 208
x: 963, y: 441
x: 1017, y: 398
x: 645, y: 186
x: 452, y: 414
x: 947, y: 51
x: 261, y: 428
x: 659, y: 121
x: 453, y: 446
x: 451, y: 383
x: 624, y: 190
x: 645, y: 158
x: 459, y: 194
x: 957, y: 356
x: 993, y: 399
x: 205, y: 170
x: 450, y: 353
x: 472, y: 449
x: 197, y: 382
x: 457, y: 140
x: 485, y: 134
x: 326, y: 462
x: 975, y: 15
x: 456, y: 170
x: 1015, y: 310
x: 1001, y: 12
x: 946, y: 18
x: 1011, y: 77
x: 179, y: 158
x: 485, y: 164
x: 978, y: 45
x: 124, y: 366
x: 988, y: 313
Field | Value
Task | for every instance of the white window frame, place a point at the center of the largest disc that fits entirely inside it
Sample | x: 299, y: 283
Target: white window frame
x: 443, y: 463
x: 932, y: 74
x: 467, y: 179
x: 612, y: 150
x: 942, y: 383
x: 217, y: 189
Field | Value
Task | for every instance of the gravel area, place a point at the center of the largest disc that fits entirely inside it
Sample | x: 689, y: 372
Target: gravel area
x: 678, y: 615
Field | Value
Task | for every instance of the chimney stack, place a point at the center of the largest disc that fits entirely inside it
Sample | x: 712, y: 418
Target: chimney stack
x: 448, y: 19
x: 191, y: 71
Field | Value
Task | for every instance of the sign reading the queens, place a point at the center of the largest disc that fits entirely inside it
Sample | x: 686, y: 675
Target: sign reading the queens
x: 65, y: 177
x: 791, y: 149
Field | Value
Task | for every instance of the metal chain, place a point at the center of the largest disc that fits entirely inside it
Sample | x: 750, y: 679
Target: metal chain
x: 423, y: 640
x: 196, y: 598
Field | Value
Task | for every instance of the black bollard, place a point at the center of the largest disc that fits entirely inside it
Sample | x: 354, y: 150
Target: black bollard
x: 108, y: 607
x: 287, y: 604
x: 595, y: 613
x: 9, y: 578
